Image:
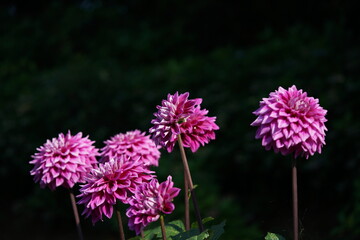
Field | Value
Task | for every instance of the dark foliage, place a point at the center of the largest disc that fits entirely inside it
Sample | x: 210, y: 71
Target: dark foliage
x: 101, y: 67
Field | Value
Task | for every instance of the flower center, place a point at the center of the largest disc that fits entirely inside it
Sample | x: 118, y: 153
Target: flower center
x: 298, y: 105
x: 59, y: 148
x: 181, y: 120
x: 150, y: 203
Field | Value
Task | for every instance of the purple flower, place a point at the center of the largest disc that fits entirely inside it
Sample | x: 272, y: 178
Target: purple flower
x: 133, y: 144
x: 289, y: 122
x: 198, y: 129
x: 63, y: 161
x: 150, y: 200
x: 114, y: 180
x: 179, y: 115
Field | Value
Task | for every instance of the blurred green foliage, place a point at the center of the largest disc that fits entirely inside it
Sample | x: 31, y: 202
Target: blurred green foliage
x: 101, y: 68
x: 349, y: 217
x: 175, y: 230
x: 273, y: 236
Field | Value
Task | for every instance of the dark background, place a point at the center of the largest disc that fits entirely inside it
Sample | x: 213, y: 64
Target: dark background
x: 101, y: 67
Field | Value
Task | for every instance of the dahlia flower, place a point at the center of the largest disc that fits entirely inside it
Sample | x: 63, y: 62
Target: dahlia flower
x: 150, y: 200
x: 179, y: 115
x: 290, y: 122
x: 134, y: 144
x: 114, y: 180
x: 64, y: 161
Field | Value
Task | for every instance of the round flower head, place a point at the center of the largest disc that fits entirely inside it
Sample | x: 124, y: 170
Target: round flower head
x: 150, y: 200
x: 114, y: 180
x: 289, y: 122
x: 133, y: 144
x: 179, y: 115
x: 63, y: 161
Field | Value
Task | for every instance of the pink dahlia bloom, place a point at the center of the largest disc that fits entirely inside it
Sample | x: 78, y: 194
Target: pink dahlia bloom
x: 64, y: 161
x: 289, y: 122
x: 150, y: 200
x: 114, y: 180
x: 134, y: 144
x: 179, y: 115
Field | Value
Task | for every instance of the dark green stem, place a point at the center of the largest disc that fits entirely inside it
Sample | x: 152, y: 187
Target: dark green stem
x: 295, y: 200
x: 120, y: 225
x: 190, y: 184
x: 76, y: 215
x: 186, y: 203
x: 163, y: 231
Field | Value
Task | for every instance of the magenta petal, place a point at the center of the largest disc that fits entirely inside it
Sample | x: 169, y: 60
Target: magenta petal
x: 266, y: 140
x: 59, y: 181
x: 296, y: 123
x: 63, y: 161
x: 111, y: 182
x: 277, y: 135
x: 264, y: 129
x: 107, y: 210
x: 149, y: 201
x: 282, y: 123
x: 304, y: 136
x: 179, y: 115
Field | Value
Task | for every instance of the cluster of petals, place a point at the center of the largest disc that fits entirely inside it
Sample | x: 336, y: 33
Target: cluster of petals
x: 290, y: 122
x: 114, y: 180
x: 150, y: 200
x: 64, y: 161
x: 178, y: 115
x: 133, y: 144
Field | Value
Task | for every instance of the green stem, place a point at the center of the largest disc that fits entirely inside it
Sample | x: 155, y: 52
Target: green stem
x: 120, y: 225
x: 186, y: 202
x: 163, y: 231
x: 295, y: 200
x: 76, y: 215
x: 190, y: 184
x: 185, y: 164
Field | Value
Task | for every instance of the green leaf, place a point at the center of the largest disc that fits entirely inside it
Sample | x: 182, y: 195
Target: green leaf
x: 175, y: 230
x: 216, y: 231
x: 135, y: 238
x: 172, y: 228
x: 175, y: 227
x: 204, y: 220
x: 273, y: 236
x: 192, y: 234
